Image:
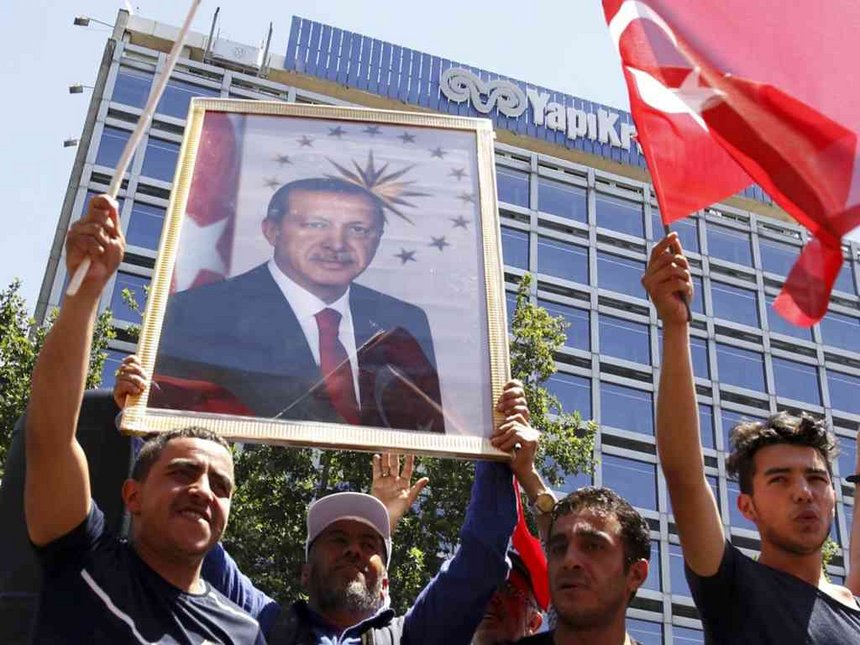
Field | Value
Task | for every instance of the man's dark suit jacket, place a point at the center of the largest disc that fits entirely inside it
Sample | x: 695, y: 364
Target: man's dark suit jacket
x: 242, y: 335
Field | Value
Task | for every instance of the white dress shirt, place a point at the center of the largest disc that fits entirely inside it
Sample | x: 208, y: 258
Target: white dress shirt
x: 306, y: 305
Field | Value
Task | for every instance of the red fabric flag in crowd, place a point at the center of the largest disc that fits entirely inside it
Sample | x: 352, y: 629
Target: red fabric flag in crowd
x: 733, y: 92
x: 531, y: 553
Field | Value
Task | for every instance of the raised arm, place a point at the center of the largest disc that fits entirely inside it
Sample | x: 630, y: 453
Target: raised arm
x: 452, y: 605
x: 678, y: 440
x: 57, y: 486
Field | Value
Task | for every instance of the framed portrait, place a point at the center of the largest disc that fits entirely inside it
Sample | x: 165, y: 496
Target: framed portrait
x: 329, y: 277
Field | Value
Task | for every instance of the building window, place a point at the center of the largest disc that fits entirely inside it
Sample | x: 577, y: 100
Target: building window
x: 624, y: 339
x: 796, y: 381
x: 177, y: 97
x: 561, y: 199
x: 847, y: 456
x: 676, y: 572
x: 780, y: 325
x: 727, y: 244
x: 686, y: 229
x: 653, y: 581
x: 578, y: 333
x: 511, y: 307
x: 736, y: 518
x: 699, y: 352
x: 626, y: 408
x: 136, y: 284
x: 573, y: 392
x: 730, y: 420
x: 635, y: 481
x: 576, y: 481
x: 131, y: 87
x: 845, y: 279
x: 740, y: 367
x: 111, y: 365
x: 144, y: 227
x: 111, y: 146
x: 563, y: 260
x: 843, y: 391
x: 645, y: 631
x: 620, y: 215
x: 620, y: 274
x: 706, y: 425
x: 735, y: 304
x: 513, y: 186
x: 159, y: 162
x: 777, y: 257
x: 687, y: 636
x: 515, y: 248
x: 839, y: 330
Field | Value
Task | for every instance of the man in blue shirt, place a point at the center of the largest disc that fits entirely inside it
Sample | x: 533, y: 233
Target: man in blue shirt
x: 98, y: 588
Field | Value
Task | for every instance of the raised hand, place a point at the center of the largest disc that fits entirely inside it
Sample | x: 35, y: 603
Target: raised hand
x: 392, y: 486
x: 515, y: 435
x: 667, y: 278
x: 130, y: 380
x: 97, y: 235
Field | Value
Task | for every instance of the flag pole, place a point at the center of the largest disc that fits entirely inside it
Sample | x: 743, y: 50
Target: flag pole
x: 137, y: 134
x: 682, y: 296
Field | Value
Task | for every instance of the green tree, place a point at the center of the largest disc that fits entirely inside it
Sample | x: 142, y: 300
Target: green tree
x: 267, y: 531
x: 20, y: 341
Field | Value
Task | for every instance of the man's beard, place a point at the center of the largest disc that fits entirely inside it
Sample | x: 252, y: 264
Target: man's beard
x: 793, y: 546
x: 353, y: 597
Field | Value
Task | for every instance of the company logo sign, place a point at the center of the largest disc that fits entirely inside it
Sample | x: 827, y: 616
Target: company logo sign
x: 460, y: 85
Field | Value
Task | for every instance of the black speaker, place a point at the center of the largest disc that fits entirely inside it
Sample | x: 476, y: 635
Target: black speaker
x: 109, y: 455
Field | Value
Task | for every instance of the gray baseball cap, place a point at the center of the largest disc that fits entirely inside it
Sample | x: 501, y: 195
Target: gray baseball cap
x: 358, y: 507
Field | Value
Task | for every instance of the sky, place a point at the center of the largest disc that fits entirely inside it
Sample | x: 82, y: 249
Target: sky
x: 562, y: 46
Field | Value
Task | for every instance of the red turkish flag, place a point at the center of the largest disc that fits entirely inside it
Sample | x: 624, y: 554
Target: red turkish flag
x: 727, y: 93
x: 531, y: 553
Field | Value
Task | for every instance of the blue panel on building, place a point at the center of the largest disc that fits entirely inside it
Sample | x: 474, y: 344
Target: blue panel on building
x: 414, y: 78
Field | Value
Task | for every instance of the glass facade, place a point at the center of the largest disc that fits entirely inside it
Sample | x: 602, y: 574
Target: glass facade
x: 587, y: 233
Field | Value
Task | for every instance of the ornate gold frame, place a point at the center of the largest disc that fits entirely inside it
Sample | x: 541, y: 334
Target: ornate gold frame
x: 140, y: 419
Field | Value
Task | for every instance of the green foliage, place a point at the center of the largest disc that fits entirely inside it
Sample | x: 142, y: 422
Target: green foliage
x: 828, y: 550
x: 20, y: 342
x: 267, y: 530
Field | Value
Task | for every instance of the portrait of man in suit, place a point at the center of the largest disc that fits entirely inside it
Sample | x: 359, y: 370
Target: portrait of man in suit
x: 296, y: 337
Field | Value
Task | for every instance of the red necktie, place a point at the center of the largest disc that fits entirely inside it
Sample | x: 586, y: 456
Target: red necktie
x: 335, y: 368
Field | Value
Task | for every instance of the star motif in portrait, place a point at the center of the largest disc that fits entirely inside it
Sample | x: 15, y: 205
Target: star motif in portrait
x: 459, y: 173
x: 460, y: 222
x: 406, y: 256
x: 466, y: 198
x: 202, y: 236
x: 438, y: 153
x: 272, y: 182
x: 306, y: 142
x: 407, y: 138
x: 283, y: 159
x: 336, y: 132
x: 439, y: 242
x: 372, y: 130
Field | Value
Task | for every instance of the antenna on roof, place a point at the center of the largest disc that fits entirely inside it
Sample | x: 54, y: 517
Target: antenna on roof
x: 264, y: 62
x: 211, y: 34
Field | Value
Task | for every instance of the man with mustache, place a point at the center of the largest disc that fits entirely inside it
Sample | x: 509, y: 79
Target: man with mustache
x: 98, y: 588
x: 296, y: 337
x: 783, y: 467
x: 597, y: 551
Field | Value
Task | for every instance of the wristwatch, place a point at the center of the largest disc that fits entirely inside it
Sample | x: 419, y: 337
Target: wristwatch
x: 543, y: 503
